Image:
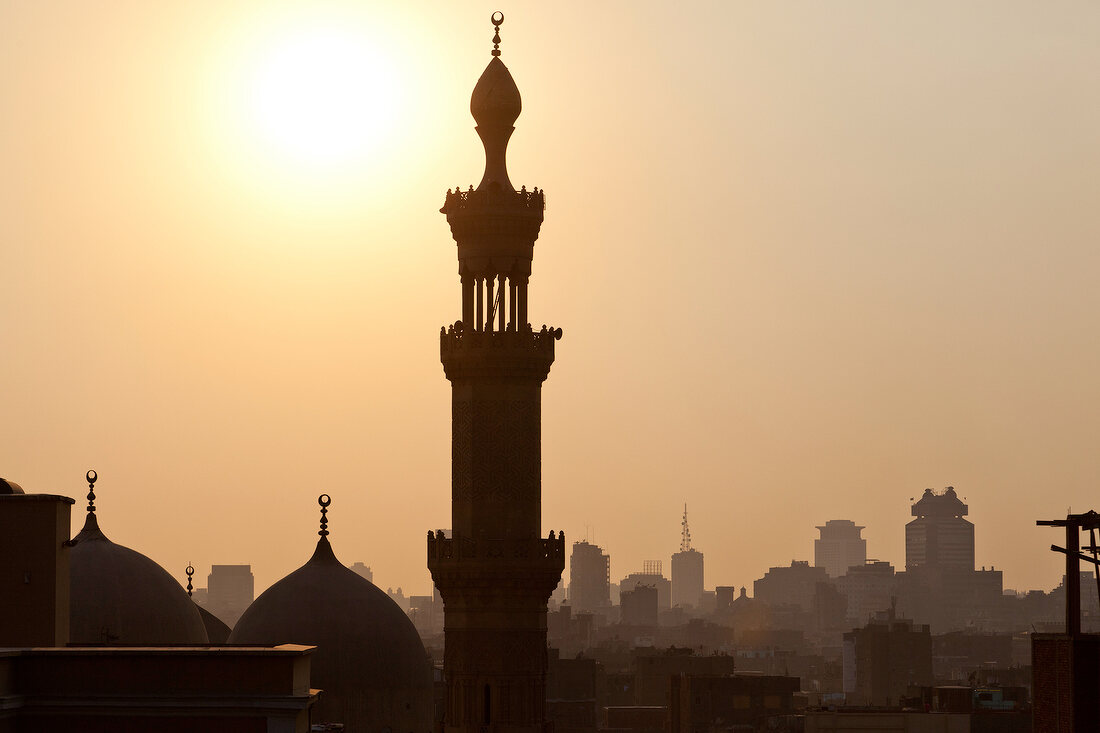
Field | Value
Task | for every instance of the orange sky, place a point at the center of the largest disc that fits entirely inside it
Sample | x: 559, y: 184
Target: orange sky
x: 809, y: 259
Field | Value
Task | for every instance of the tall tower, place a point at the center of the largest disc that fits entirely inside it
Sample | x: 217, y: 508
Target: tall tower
x: 496, y: 572
x: 687, y: 570
x: 841, y: 546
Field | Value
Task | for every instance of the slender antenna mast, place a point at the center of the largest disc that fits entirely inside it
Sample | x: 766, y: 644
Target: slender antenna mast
x: 685, y: 533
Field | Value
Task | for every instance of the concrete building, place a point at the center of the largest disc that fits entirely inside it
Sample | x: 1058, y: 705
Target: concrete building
x: 839, y: 547
x: 639, y: 606
x: 884, y: 658
x: 870, y: 588
x: 498, y: 557
x: 230, y: 589
x: 687, y: 571
x: 707, y: 703
x: 589, y: 577
x: 794, y: 585
x: 651, y: 575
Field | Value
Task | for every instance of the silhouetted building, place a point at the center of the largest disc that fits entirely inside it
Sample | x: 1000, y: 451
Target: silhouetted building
x: 707, y: 703
x: 495, y: 663
x: 57, y: 686
x: 652, y: 576
x: 655, y: 670
x: 687, y: 570
x: 572, y: 692
x: 34, y: 575
x: 839, y: 547
x: 885, y: 657
x: 794, y: 585
x: 939, y: 536
x: 869, y: 588
x: 940, y: 586
x: 363, y: 571
x: 638, y: 606
x: 230, y: 589
x: 589, y: 577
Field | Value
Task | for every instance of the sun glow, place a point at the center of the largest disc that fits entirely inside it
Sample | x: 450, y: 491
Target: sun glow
x: 324, y: 97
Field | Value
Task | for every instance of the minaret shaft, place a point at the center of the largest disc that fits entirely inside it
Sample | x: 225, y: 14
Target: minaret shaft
x: 496, y: 571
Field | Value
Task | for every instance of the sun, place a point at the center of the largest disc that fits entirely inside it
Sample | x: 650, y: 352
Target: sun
x: 323, y: 97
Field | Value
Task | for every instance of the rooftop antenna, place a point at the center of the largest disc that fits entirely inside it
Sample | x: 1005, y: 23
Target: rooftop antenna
x: 91, y: 477
x: 685, y: 533
x: 190, y: 574
x: 324, y: 500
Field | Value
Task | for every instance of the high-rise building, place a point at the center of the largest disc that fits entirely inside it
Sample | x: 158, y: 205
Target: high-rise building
x: 230, y: 589
x: 589, y: 577
x: 839, y: 547
x: 497, y: 571
x: 939, y: 536
x: 687, y: 570
x: 651, y: 575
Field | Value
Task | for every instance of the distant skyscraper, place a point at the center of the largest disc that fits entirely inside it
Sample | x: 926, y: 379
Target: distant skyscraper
x: 939, y: 536
x: 840, y: 547
x: 230, y: 589
x: 687, y: 570
x: 589, y: 577
x: 363, y: 571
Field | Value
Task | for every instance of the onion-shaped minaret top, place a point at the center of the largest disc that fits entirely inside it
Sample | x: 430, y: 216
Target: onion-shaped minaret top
x: 495, y: 105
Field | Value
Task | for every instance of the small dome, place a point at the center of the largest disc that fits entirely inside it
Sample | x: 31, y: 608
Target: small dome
x: 495, y: 101
x: 369, y: 662
x: 118, y: 596
x: 9, y: 487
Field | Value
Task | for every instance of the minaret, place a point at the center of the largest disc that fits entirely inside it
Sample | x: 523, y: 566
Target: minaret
x: 496, y: 572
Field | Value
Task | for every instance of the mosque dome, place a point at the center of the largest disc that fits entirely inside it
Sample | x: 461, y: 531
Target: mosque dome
x: 369, y: 661
x: 119, y: 596
x: 9, y: 487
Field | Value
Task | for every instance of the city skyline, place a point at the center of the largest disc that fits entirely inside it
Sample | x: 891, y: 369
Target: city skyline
x: 815, y: 288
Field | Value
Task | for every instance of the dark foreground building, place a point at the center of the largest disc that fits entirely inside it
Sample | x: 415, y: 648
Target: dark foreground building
x: 496, y: 572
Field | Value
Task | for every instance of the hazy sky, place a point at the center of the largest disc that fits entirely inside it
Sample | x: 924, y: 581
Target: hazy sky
x: 809, y: 258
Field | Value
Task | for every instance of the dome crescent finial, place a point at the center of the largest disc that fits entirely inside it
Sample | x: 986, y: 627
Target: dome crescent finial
x: 91, y: 477
x: 324, y: 500
x: 190, y: 574
x: 497, y: 19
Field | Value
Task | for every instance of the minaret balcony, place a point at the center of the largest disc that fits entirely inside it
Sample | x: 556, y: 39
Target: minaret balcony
x: 537, y: 558
x: 495, y: 198
x: 508, y: 353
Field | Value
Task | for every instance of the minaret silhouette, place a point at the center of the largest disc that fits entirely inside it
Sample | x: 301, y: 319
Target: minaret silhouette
x: 496, y: 573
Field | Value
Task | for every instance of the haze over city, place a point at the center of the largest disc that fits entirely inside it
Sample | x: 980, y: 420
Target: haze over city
x: 807, y: 264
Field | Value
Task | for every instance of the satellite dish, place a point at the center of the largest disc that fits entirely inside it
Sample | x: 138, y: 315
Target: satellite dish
x: 557, y: 334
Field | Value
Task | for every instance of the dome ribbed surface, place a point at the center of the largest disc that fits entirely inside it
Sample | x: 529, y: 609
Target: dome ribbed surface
x: 369, y: 660
x: 119, y: 596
